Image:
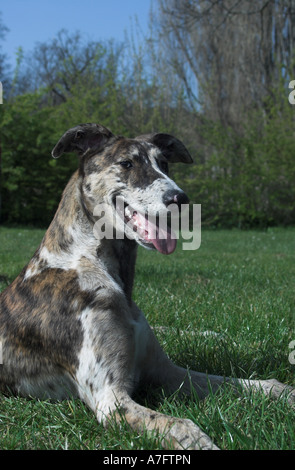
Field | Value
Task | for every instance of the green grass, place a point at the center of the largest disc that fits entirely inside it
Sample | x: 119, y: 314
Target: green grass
x: 239, y: 287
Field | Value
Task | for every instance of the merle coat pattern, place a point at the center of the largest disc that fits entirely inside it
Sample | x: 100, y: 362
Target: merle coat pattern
x: 68, y: 325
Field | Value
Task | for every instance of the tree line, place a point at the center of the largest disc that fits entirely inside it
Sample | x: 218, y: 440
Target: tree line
x: 215, y: 74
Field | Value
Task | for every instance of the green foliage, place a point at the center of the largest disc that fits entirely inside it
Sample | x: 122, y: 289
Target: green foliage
x: 31, y: 184
x: 243, y: 176
x: 246, y: 180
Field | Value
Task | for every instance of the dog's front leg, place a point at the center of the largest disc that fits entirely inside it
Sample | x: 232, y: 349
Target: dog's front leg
x: 110, y: 366
x: 183, y: 380
x: 174, y: 378
x: 157, y: 369
x: 113, y: 404
x: 175, y: 432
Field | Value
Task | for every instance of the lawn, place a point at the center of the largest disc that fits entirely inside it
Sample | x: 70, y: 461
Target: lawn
x: 228, y: 308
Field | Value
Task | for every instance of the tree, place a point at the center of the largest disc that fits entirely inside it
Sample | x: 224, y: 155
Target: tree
x: 75, y: 82
x: 194, y: 76
x: 5, y: 83
x: 62, y: 63
x: 234, y: 59
x: 229, y: 55
x: 4, y: 66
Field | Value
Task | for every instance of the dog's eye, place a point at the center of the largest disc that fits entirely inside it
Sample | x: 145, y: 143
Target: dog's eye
x: 126, y: 164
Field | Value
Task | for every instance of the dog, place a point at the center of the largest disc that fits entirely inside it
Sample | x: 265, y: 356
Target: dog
x: 68, y: 324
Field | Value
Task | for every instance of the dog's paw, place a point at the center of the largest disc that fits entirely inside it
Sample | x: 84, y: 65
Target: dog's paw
x: 276, y: 389
x: 185, y: 435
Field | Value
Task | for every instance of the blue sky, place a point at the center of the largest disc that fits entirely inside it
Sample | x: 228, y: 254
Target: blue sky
x: 31, y: 21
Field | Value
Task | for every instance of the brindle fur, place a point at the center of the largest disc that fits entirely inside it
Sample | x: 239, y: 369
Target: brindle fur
x: 68, y: 325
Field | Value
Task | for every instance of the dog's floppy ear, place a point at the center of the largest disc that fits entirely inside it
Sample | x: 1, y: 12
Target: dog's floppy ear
x: 81, y: 138
x: 172, y: 148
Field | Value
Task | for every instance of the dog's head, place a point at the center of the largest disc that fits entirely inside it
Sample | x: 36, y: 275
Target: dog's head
x: 130, y: 176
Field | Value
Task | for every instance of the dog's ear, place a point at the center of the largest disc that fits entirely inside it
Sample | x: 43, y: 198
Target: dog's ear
x: 172, y: 148
x: 81, y: 138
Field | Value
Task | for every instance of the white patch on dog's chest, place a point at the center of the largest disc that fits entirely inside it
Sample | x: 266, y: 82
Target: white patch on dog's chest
x: 91, y: 375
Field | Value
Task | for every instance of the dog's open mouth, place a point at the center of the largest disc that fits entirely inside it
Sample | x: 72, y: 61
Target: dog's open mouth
x: 152, y: 230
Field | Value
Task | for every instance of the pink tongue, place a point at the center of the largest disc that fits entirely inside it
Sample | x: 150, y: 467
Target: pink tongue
x: 163, y: 240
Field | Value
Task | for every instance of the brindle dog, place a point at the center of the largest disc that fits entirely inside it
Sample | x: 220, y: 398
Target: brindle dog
x: 68, y: 325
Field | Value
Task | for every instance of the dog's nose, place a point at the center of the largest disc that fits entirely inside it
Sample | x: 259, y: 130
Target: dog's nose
x: 175, y: 197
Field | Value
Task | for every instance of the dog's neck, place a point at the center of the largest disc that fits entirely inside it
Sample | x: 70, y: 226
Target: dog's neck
x: 124, y: 259
x: 71, y: 240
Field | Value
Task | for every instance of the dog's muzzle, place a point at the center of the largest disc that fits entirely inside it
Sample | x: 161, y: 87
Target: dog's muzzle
x: 175, y: 197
